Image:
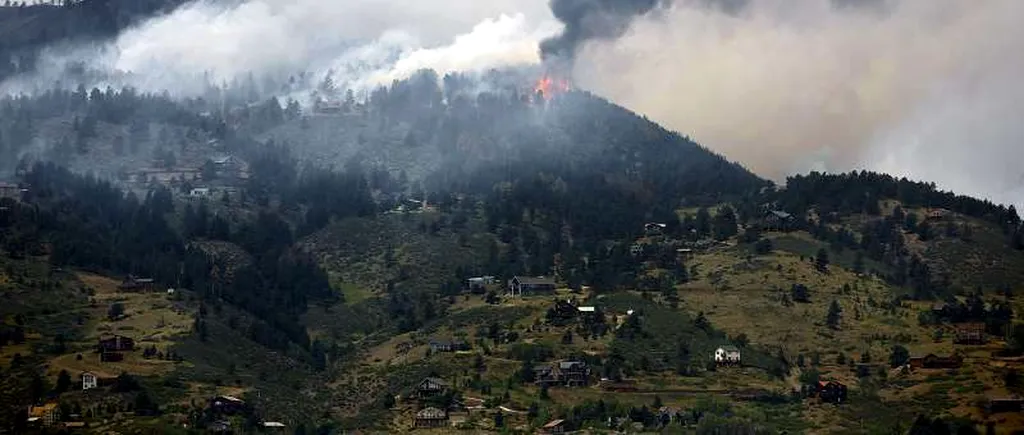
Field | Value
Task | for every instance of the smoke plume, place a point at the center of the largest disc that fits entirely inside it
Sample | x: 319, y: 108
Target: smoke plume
x: 361, y: 42
x: 923, y: 88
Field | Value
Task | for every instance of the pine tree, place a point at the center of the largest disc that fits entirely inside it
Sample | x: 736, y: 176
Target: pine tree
x: 821, y: 261
x: 834, y: 315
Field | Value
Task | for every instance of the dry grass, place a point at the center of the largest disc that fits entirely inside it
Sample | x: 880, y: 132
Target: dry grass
x: 151, y: 319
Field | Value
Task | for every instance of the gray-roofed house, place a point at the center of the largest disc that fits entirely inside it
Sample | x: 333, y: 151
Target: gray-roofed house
x: 524, y: 284
x: 778, y: 220
x: 431, y: 418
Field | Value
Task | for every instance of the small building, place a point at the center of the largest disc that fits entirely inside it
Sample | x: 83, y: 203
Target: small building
x: 553, y: 427
x: 654, y: 228
x: 108, y: 356
x: 448, y: 345
x: 10, y: 191
x: 831, y: 391
x: 727, y: 355
x: 587, y: 310
x: 46, y: 415
x: 431, y: 418
x: 574, y: 373
x: 478, y: 283
x: 92, y: 380
x: 273, y: 425
x: 200, y: 192
x: 521, y: 284
x: 562, y: 311
x: 547, y: 375
x: 229, y: 405
x: 1005, y: 404
x: 116, y: 343
x: 134, y: 283
x: 777, y: 220
x: 969, y: 333
x: 932, y: 361
x: 431, y: 387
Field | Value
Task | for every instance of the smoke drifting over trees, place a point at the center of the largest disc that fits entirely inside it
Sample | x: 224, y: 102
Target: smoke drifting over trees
x: 920, y: 88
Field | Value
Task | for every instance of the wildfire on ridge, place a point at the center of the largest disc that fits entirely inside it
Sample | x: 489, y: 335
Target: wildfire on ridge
x: 547, y: 87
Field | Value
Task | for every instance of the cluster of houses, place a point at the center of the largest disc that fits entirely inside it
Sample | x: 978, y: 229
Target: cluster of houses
x: 220, y: 172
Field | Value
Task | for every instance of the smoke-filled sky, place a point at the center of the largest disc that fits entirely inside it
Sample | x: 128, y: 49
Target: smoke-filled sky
x: 929, y: 89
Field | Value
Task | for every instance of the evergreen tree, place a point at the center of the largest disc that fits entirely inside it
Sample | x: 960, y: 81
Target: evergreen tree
x: 821, y: 261
x: 834, y: 315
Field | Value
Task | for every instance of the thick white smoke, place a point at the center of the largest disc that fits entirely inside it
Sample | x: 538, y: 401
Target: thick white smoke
x: 930, y: 89
x: 364, y: 42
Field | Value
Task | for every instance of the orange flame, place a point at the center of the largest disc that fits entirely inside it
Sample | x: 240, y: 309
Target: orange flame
x: 548, y: 87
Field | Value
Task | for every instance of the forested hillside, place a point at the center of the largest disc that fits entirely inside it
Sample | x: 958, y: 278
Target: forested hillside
x: 316, y: 262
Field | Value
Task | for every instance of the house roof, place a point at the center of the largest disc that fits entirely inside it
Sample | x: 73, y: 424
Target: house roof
x: 272, y: 424
x: 570, y: 364
x: 431, y: 413
x: 554, y: 423
x: 781, y: 214
x: 587, y: 309
x: 437, y: 381
x: 39, y: 411
x: 539, y: 280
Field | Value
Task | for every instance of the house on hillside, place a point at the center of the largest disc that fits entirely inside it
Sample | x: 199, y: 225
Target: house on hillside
x: 116, y: 343
x: 133, y: 283
x: 477, y: 284
x: 727, y: 355
x: 831, y: 391
x: 567, y: 373
x: 777, y: 220
x: 1004, y: 404
x: 937, y: 214
x: 46, y: 415
x: 199, y: 192
x: 448, y: 345
x: 431, y: 387
x: 230, y: 169
x: 10, y: 191
x: 969, y: 333
x: 554, y: 427
x: 562, y: 311
x: 431, y: 418
x: 574, y: 373
x: 932, y: 361
x: 654, y: 228
x: 228, y: 405
x: 92, y: 380
x: 522, y: 284
x: 547, y: 374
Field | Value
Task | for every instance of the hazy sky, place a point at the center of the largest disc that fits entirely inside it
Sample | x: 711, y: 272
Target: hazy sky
x: 929, y: 89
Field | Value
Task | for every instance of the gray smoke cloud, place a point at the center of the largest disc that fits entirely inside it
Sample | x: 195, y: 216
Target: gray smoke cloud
x: 929, y: 89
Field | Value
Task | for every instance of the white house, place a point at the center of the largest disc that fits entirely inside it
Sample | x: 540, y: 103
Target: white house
x: 590, y: 310
x: 200, y: 192
x: 89, y: 381
x: 727, y: 355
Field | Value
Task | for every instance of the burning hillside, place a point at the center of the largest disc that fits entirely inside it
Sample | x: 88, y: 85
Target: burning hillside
x: 547, y: 87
